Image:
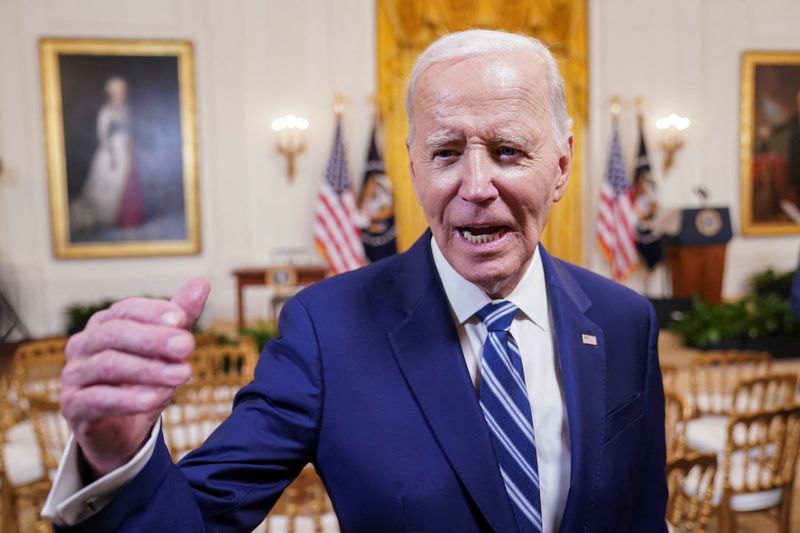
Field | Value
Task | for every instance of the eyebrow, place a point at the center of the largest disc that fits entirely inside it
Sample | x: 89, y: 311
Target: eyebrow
x: 438, y: 140
x: 510, y: 138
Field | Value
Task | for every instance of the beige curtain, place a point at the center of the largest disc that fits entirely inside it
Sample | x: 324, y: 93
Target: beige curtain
x: 406, y: 27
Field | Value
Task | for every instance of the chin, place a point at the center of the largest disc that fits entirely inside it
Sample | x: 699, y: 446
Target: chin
x: 490, y: 277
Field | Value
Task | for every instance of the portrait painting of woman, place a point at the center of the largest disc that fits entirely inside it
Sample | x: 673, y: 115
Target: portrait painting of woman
x: 122, y: 182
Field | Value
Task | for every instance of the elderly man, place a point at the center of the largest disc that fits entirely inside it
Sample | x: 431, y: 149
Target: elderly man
x: 473, y: 383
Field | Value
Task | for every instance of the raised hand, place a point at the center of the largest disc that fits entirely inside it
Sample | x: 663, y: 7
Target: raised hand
x: 122, y: 370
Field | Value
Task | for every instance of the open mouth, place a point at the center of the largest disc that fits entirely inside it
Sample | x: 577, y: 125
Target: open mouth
x: 481, y: 235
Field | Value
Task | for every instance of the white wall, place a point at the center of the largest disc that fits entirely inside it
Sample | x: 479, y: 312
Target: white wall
x: 684, y: 56
x: 256, y: 59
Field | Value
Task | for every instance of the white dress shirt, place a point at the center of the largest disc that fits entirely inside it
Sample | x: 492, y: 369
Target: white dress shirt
x: 536, y: 340
x: 69, y: 502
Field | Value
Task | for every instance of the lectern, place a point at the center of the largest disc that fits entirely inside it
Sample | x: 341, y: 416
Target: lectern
x: 696, y: 253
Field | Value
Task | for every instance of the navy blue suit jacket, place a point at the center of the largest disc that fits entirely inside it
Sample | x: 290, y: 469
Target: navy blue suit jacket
x: 368, y: 382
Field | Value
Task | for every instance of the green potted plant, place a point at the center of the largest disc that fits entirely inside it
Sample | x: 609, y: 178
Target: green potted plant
x: 761, y: 320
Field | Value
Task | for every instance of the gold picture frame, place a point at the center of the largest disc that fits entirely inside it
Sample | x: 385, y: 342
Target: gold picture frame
x: 770, y: 143
x: 121, y: 141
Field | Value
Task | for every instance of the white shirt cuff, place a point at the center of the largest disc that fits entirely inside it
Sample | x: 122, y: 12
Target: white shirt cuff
x: 69, y: 502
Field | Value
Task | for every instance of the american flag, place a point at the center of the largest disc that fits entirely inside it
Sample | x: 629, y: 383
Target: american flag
x: 335, y: 231
x: 616, y: 216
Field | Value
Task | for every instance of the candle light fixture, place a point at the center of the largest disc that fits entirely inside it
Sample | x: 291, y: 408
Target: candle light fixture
x: 671, y: 137
x: 291, y: 142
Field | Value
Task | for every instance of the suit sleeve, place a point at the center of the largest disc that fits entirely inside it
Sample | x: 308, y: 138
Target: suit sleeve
x: 650, y: 512
x: 794, y: 297
x: 237, y: 475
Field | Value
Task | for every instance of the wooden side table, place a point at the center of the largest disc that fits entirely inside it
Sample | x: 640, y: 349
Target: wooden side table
x: 273, y: 276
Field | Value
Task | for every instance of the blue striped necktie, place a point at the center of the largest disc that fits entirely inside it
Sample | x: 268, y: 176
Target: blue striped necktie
x: 504, y: 401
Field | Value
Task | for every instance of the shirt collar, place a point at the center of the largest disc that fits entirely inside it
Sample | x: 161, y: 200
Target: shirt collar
x: 466, y: 298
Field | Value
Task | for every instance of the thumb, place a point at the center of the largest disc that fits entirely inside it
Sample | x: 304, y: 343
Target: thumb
x: 191, y: 297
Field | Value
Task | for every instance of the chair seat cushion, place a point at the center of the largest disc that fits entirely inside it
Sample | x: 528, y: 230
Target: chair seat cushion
x: 21, y: 455
x: 707, y: 433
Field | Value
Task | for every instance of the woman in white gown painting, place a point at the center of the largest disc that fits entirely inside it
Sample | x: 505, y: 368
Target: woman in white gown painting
x: 109, y: 197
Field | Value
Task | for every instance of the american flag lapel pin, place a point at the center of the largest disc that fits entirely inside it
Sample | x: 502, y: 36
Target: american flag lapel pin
x: 591, y: 340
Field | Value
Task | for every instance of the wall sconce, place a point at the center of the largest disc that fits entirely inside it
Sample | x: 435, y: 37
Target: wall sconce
x: 671, y: 141
x: 291, y: 135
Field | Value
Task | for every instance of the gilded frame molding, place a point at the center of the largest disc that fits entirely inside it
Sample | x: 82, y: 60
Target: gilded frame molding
x: 180, y: 238
x: 770, y: 94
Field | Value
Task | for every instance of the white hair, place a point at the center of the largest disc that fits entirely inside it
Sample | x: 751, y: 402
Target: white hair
x: 476, y: 43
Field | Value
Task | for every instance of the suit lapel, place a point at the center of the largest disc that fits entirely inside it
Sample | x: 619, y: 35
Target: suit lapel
x: 428, y: 352
x: 583, y: 380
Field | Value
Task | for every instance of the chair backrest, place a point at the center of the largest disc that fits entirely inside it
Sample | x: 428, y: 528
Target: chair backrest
x: 305, y: 499
x: 7, y: 416
x: 713, y: 377
x: 52, y: 432
x: 36, y: 388
x: 669, y: 375
x: 765, y: 393
x: 199, y: 406
x: 691, y: 488
x: 37, y: 369
x: 761, y: 450
x: 676, y: 416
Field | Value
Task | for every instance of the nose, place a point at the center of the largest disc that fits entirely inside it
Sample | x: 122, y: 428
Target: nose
x: 477, y: 177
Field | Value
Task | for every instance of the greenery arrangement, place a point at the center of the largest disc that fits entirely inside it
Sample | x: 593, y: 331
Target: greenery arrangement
x: 771, y: 282
x: 261, y: 333
x: 759, y: 318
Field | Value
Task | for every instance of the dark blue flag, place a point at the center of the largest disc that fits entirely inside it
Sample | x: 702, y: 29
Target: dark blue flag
x: 376, y: 204
x: 648, y: 243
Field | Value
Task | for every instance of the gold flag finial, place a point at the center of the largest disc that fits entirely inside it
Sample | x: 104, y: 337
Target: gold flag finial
x: 338, y: 104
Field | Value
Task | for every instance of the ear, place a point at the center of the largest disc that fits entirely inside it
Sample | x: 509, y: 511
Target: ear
x: 564, y: 167
x: 411, y: 165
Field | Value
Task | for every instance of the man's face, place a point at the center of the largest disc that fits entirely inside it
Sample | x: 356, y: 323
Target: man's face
x: 484, y: 164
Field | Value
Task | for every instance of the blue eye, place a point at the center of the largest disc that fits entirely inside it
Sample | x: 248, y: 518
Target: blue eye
x: 444, y: 154
x: 507, y: 151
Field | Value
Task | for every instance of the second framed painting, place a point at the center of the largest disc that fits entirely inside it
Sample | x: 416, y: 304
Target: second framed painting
x: 770, y: 143
x: 120, y: 126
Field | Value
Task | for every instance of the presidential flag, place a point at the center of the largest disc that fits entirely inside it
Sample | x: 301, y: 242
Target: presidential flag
x: 335, y: 231
x: 616, y: 216
x: 648, y: 242
x: 376, y: 203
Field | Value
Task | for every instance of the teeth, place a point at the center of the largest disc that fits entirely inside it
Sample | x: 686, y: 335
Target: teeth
x: 480, y: 239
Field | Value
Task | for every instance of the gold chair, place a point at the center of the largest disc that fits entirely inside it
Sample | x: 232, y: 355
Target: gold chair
x: 199, y: 406
x: 51, y: 432
x: 762, y: 393
x: 675, y: 419
x: 669, y: 374
x: 713, y: 376
x: 8, y: 519
x: 690, y: 480
x: 33, y: 443
x: 36, y: 371
x: 765, y: 393
x: 759, y: 466
x: 305, y: 499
